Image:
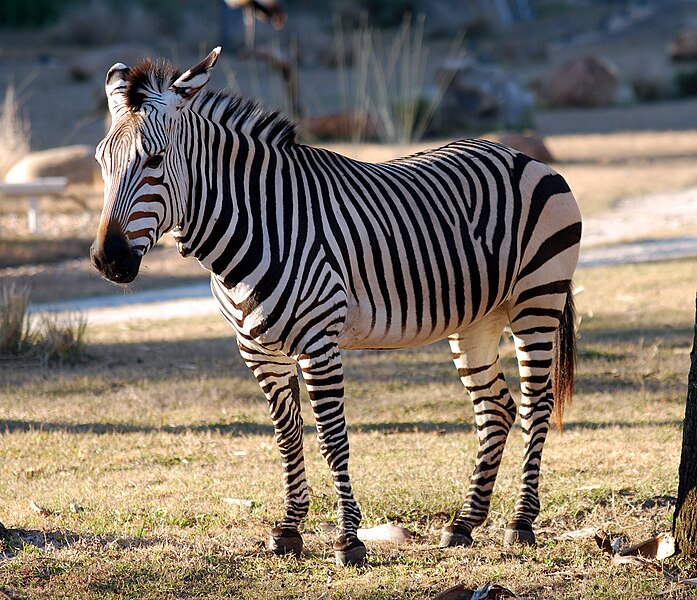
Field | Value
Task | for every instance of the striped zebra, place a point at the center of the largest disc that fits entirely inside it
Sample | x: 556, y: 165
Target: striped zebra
x: 311, y: 252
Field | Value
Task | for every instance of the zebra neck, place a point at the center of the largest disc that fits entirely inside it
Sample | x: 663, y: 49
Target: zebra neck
x: 245, y: 216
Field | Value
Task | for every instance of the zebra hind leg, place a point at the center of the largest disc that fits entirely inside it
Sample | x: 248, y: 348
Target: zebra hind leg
x: 324, y: 377
x: 277, y: 376
x: 475, y: 352
x: 535, y: 323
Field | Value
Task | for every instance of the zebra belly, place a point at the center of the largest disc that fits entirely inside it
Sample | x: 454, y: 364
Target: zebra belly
x: 365, y: 330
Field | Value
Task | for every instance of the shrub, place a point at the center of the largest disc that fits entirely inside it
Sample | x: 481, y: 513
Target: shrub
x: 15, y: 329
x: 53, y: 338
x: 61, y: 338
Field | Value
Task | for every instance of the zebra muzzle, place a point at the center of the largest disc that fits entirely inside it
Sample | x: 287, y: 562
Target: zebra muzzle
x: 114, y: 258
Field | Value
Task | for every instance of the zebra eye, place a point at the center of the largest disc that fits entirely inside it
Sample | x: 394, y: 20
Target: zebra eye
x: 153, y: 162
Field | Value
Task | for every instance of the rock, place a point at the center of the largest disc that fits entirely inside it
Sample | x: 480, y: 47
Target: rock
x: 527, y: 141
x: 76, y: 163
x: 479, y: 96
x: 586, y: 81
x: 684, y: 45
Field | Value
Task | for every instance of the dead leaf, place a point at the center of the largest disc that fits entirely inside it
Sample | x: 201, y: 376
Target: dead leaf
x: 40, y: 510
x: 239, y: 502
x: 660, y: 547
x: 387, y: 532
x: 485, y: 592
x: 637, y: 561
x: 577, y: 534
x: 602, y: 538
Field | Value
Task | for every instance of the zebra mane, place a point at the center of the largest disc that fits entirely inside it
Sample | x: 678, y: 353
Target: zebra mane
x: 148, y: 77
x: 246, y: 116
x: 239, y: 114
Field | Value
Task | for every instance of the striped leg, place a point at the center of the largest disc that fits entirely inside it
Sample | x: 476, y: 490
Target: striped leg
x: 277, y: 376
x: 475, y: 352
x: 324, y: 376
x: 534, y: 352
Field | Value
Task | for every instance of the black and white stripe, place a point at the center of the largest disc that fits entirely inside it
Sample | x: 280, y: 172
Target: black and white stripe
x: 311, y: 252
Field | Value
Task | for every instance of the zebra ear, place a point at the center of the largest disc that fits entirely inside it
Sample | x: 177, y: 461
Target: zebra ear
x: 115, y: 84
x: 191, y: 81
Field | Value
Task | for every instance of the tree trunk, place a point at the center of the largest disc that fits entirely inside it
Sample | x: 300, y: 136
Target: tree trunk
x: 685, y: 519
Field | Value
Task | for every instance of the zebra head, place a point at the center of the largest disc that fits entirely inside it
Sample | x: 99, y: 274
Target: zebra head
x: 139, y: 161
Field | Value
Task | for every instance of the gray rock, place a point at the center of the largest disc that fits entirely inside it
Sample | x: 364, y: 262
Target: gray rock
x: 480, y: 96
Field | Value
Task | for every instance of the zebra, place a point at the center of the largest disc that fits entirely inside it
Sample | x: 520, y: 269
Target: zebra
x: 311, y: 252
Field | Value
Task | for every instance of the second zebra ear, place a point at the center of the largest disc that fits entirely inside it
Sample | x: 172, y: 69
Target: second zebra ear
x: 115, y: 85
x: 193, y: 80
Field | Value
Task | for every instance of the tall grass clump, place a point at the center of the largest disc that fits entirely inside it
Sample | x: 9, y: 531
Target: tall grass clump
x: 61, y: 338
x: 389, y: 79
x: 15, y: 329
x: 52, y: 338
x: 14, y: 132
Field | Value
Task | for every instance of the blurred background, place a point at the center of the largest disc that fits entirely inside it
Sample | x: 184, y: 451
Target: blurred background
x: 371, y: 78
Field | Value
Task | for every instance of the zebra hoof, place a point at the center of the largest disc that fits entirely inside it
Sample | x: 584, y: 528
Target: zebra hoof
x: 455, y: 536
x: 513, y: 537
x: 349, y: 552
x: 285, y: 541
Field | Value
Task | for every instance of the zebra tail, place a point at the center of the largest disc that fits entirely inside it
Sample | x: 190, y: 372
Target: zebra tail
x: 565, y: 363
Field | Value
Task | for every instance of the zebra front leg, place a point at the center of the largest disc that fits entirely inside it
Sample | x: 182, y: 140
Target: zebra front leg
x: 277, y: 376
x: 324, y: 376
x: 475, y: 353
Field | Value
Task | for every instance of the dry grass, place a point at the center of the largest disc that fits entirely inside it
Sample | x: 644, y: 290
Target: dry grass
x: 51, y: 338
x: 132, y: 455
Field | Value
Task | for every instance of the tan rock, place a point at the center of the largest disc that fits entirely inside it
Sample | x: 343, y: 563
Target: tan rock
x: 76, y: 163
x: 528, y: 142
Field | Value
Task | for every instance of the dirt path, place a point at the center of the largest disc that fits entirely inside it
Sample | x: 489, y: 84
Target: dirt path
x: 635, y: 230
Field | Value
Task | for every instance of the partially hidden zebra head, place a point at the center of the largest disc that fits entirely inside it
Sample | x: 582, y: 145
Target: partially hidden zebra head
x: 138, y: 162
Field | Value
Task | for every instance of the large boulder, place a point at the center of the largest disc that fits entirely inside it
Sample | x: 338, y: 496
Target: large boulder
x: 75, y: 163
x: 528, y: 142
x: 480, y: 96
x: 586, y: 81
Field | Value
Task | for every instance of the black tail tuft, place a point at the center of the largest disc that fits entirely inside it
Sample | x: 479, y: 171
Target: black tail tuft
x: 563, y: 377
